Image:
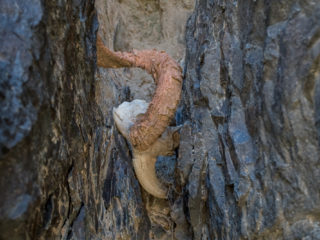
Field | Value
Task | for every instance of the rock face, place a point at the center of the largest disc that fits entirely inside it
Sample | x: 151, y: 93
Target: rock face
x: 250, y: 155
x: 60, y: 156
x: 248, y: 164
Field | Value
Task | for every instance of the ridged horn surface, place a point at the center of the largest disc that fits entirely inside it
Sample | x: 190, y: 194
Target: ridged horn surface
x: 167, y: 74
x: 168, y: 77
x: 145, y: 171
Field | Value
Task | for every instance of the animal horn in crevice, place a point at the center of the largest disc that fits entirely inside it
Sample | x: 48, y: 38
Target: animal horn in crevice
x: 168, y: 77
x: 147, y: 135
x: 146, y: 174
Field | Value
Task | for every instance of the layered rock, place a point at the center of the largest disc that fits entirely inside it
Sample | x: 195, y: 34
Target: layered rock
x: 248, y: 161
x: 250, y: 155
x: 61, y: 158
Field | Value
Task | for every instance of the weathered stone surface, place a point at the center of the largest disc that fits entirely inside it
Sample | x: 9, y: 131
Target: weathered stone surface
x: 248, y: 164
x: 19, y: 99
x: 65, y: 172
x: 251, y: 80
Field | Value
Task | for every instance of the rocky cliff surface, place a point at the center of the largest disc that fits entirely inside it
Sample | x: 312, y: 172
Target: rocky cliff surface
x: 252, y: 96
x: 248, y: 164
x: 51, y: 126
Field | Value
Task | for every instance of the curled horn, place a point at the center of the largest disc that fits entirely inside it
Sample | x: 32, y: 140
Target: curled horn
x: 167, y: 75
x: 149, y: 135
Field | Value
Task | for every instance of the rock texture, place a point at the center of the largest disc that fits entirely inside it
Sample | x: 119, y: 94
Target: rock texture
x: 60, y: 157
x: 250, y: 155
x: 248, y: 161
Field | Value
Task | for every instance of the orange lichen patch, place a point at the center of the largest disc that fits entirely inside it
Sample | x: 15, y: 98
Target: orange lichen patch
x: 167, y: 75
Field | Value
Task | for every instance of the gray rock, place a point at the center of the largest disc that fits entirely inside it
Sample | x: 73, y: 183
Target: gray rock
x: 65, y: 174
x: 248, y: 164
x: 263, y: 104
x: 165, y: 166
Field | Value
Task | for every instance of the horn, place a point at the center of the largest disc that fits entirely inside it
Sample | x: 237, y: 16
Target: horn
x: 167, y: 74
x: 144, y: 168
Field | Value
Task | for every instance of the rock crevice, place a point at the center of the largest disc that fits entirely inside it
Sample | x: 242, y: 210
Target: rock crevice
x: 248, y: 162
